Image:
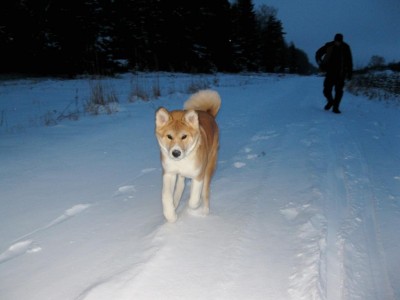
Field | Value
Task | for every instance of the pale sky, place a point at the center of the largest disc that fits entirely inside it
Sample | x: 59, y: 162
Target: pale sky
x: 370, y: 27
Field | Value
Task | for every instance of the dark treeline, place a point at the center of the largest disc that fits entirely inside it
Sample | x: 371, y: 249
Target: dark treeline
x: 95, y: 36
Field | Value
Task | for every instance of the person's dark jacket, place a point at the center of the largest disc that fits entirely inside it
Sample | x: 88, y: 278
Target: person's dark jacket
x: 335, y: 60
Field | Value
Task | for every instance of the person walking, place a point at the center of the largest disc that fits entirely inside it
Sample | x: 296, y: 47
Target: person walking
x: 336, y: 60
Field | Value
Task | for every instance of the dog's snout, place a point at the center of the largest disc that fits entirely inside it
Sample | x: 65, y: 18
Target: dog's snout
x: 176, y: 153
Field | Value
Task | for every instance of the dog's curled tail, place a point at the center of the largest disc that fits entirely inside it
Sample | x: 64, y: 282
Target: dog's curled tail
x: 204, y: 100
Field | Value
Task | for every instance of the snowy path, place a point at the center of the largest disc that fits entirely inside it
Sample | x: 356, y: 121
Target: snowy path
x: 305, y: 204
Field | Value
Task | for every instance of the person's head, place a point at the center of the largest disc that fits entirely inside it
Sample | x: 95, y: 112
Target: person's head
x: 338, y: 38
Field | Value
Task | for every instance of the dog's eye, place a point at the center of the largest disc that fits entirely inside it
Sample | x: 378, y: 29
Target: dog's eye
x: 184, y: 136
x: 169, y: 136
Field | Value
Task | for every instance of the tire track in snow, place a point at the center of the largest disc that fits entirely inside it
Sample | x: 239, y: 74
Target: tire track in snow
x: 304, y: 221
x: 303, y: 211
x: 335, y: 222
x: 352, y: 258
x: 248, y: 260
x: 359, y: 231
x: 336, y: 209
x: 117, y: 281
x: 121, y: 282
x: 243, y: 245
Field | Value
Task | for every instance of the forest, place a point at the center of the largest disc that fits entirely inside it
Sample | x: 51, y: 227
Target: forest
x: 71, y: 37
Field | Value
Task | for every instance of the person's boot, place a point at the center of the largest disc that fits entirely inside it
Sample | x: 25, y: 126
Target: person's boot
x: 328, y: 105
x: 336, y: 103
x: 330, y: 101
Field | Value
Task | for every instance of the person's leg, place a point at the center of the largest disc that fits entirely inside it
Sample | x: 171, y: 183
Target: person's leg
x: 339, y: 84
x: 328, y: 86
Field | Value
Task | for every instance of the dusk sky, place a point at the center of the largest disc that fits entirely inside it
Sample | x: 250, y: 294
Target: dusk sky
x: 370, y: 27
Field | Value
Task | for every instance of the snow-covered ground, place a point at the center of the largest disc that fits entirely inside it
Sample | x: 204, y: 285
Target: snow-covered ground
x: 305, y: 204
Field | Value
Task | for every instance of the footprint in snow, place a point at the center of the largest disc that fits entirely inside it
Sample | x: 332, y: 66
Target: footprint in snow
x: 248, y: 151
x: 239, y: 164
x: 249, y: 156
x: 27, y: 246
x: 266, y: 136
x: 148, y: 170
x: 128, y: 190
x: 19, y: 248
x: 290, y: 213
x: 69, y: 213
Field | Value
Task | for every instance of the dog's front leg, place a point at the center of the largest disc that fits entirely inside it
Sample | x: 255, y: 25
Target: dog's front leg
x: 195, y: 193
x: 179, y: 187
x: 167, y: 197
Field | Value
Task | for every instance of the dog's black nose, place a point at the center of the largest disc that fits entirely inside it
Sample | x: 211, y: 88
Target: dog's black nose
x: 176, y: 153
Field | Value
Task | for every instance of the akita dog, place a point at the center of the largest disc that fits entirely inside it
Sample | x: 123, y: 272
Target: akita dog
x: 189, y: 142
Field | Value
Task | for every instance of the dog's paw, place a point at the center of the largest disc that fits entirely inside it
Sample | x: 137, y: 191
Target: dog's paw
x: 198, y: 212
x: 206, y: 211
x: 171, y: 217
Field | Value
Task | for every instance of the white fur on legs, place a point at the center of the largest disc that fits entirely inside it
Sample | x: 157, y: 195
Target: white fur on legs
x: 206, y: 195
x: 206, y: 210
x: 199, y: 212
x: 167, y: 199
x: 195, y: 193
x: 179, y: 187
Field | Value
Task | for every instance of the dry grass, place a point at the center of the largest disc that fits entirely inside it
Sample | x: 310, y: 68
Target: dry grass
x: 381, y: 86
x: 103, y: 98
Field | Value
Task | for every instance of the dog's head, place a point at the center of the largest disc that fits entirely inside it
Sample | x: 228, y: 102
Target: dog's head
x: 177, y: 132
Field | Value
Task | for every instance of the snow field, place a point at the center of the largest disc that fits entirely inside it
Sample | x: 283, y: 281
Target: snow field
x: 304, y: 203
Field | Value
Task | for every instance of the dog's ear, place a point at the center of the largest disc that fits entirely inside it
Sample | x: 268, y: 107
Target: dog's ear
x: 192, y: 118
x: 162, y: 117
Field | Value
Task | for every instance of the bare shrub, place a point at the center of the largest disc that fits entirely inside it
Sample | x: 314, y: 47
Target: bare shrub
x: 198, y: 84
x: 103, y: 99
x: 381, y: 86
x: 144, y: 89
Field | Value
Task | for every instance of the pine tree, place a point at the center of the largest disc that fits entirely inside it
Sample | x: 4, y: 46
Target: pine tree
x: 298, y: 62
x: 244, y: 37
x: 88, y: 36
x: 272, y: 42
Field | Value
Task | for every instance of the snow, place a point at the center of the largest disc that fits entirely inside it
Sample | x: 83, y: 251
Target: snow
x: 305, y: 204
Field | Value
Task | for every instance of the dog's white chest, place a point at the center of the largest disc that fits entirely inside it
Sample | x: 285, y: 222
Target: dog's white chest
x: 185, y: 167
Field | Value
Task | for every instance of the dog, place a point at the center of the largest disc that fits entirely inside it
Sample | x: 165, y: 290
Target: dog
x: 189, y: 142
